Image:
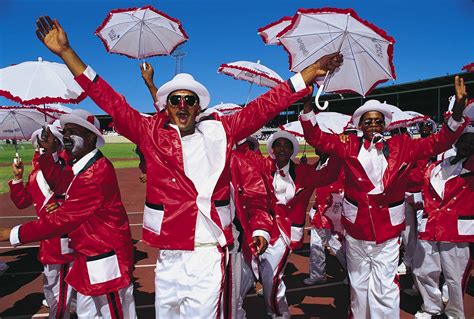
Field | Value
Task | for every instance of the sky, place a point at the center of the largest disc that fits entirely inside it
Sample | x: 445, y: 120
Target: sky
x: 433, y: 38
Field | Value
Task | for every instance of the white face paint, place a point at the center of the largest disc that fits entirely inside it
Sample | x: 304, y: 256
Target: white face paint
x: 77, y: 144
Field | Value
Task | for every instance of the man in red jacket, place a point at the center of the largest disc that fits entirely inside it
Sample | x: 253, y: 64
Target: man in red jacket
x: 54, y: 253
x: 374, y: 189
x: 446, y: 230
x: 187, y: 211
x: 97, y: 225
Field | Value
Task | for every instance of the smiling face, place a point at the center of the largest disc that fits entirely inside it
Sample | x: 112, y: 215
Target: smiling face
x: 78, y: 141
x: 182, y: 107
x: 282, y: 149
x: 372, y: 123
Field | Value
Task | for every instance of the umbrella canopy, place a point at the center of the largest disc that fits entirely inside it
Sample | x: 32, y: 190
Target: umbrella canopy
x: 18, y: 123
x: 269, y: 32
x: 39, y: 82
x: 367, y: 50
x: 253, y: 72
x: 468, y: 67
x: 329, y: 122
x: 405, y: 119
x: 141, y: 32
x: 55, y: 110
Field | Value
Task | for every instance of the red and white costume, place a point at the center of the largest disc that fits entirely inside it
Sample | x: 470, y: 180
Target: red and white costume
x: 446, y: 229
x: 374, y: 208
x: 326, y: 230
x: 253, y: 218
x: 95, y: 220
x: 292, y: 188
x: 187, y: 211
x: 54, y: 253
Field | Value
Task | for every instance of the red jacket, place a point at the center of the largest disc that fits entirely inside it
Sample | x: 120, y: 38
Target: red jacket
x: 95, y: 219
x: 451, y: 218
x: 250, y: 198
x: 38, y: 193
x: 290, y: 218
x: 172, y: 201
x: 377, y: 217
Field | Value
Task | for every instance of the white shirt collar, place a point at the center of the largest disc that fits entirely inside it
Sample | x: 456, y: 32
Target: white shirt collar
x: 285, y: 169
x: 79, y: 165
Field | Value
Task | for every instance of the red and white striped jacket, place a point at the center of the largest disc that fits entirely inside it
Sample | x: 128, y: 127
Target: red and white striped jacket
x: 377, y: 217
x: 451, y: 218
x: 172, y: 200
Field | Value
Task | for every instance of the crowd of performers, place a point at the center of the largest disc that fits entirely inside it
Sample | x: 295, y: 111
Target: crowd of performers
x: 222, y: 215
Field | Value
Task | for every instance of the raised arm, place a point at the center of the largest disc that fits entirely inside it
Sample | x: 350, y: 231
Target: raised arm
x: 268, y: 105
x: 128, y: 121
x: 418, y: 149
x: 147, y: 74
x: 19, y: 193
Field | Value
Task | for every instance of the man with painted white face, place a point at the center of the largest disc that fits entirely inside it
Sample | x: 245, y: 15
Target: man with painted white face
x: 374, y: 204
x: 96, y: 222
x: 187, y: 212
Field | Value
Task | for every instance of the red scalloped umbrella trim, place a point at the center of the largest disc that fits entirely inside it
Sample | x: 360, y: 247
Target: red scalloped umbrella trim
x: 281, y: 127
x: 109, y: 16
x: 354, y: 15
x: 222, y: 67
x: 407, y: 122
x: 261, y: 31
x: 468, y: 67
x: 43, y: 100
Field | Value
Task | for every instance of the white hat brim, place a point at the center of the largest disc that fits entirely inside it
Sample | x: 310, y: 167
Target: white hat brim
x: 183, y: 81
x: 286, y: 135
x: 68, y: 118
x: 373, y: 105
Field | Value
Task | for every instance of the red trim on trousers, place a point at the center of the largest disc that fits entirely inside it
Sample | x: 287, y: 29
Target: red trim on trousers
x: 223, y: 293
x: 115, y: 305
x: 63, y: 291
x: 466, y: 275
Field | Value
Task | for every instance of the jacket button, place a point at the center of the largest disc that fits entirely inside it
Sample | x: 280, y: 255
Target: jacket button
x: 173, y: 179
x: 359, y: 179
x: 380, y: 206
x: 454, y: 198
x: 370, y: 206
x: 384, y: 194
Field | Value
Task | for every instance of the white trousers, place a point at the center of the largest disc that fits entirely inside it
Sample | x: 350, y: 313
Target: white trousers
x: 246, y: 283
x: 317, y: 257
x: 409, y: 234
x: 115, y: 305
x: 453, y: 260
x: 372, y: 270
x: 236, y: 261
x: 57, y: 292
x: 272, y: 266
x: 190, y: 284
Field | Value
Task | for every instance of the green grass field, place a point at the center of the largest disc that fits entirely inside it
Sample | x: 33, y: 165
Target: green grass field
x: 122, y: 155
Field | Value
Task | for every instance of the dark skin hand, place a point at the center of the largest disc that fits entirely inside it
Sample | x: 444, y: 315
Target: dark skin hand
x: 147, y: 75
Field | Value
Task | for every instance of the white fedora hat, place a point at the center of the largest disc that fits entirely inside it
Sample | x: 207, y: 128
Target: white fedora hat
x: 183, y: 81
x: 373, y: 105
x: 282, y: 134
x: 55, y: 128
x: 86, y: 120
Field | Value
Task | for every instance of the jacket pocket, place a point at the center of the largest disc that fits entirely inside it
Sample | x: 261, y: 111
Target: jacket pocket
x: 153, y: 217
x: 397, y: 212
x: 349, y: 210
x: 466, y: 225
x: 223, y: 210
x: 297, y: 233
x: 103, y: 268
x: 64, y: 241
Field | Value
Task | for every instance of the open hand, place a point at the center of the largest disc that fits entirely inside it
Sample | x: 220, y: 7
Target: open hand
x: 461, y: 98
x: 260, y: 244
x: 5, y: 234
x: 52, y: 35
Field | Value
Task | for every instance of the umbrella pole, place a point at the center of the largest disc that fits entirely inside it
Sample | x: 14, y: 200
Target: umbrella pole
x: 248, y: 94
x: 17, y: 158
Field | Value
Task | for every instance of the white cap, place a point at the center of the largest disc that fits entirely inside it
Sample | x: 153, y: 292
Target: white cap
x: 86, y: 120
x: 373, y: 105
x: 286, y: 135
x: 183, y: 81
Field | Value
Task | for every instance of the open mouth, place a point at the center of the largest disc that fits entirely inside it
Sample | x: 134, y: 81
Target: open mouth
x: 68, y: 144
x: 182, y: 117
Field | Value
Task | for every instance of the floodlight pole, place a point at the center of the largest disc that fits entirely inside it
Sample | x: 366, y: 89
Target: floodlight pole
x: 178, y: 55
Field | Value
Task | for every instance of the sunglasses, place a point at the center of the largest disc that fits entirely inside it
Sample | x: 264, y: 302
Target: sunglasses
x: 190, y: 100
x: 367, y: 122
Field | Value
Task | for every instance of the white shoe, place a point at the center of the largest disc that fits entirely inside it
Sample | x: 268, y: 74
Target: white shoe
x: 310, y: 282
x: 403, y: 269
x: 45, y: 303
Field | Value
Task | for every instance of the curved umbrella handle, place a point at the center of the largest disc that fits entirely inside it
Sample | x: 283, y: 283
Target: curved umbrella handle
x: 316, y: 99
